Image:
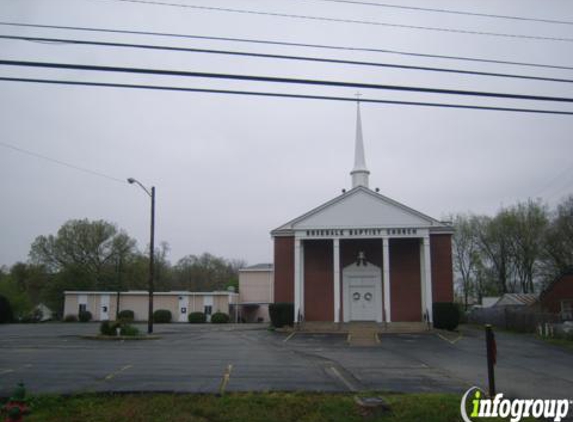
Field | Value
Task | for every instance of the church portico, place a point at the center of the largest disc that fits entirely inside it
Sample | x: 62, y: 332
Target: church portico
x: 366, y: 273
x: 363, y: 257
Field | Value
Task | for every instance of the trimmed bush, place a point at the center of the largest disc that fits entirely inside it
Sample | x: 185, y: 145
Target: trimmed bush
x: 197, y: 318
x: 446, y: 315
x: 219, y: 318
x: 281, y: 314
x: 85, y: 316
x: 6, y: 314
x: 108, y: 328
x: 126, y: 315
x: 70, y: 318
x: 129, y: 330
x: 162, y: 316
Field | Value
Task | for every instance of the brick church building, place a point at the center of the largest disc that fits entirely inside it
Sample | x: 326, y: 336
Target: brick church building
x: 363, y: 257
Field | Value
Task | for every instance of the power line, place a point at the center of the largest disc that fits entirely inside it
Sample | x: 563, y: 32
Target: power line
x: 271, y: 79
x: 351, y: 21
x: 62, y: 163
x: 282, y: 95
x: 52, y: 41
x: 282, y: 43
x: 449, y: 11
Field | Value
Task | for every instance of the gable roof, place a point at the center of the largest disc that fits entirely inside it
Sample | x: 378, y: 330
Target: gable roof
x: 516, y: 299
x: 374, y: 210
x: 564, y: 275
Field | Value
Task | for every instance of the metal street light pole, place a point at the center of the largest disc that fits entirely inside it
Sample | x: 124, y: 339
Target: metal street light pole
x: 151, y: 251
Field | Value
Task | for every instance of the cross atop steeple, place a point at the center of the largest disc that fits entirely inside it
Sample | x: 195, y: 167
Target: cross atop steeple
x: 359, y: 173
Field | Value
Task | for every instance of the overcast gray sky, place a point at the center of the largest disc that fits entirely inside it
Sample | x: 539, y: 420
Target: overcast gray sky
x: 228, y: 169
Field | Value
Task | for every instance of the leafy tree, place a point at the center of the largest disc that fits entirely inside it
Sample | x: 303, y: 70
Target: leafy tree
x: 205, y: 272
x: 5, y: 310
x: 466, y: 254
x: 89, y: 249
x: 558, y: 241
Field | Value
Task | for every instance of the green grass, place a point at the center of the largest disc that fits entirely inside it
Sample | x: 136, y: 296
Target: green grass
x: 252, y: 407
x: 240, y: 407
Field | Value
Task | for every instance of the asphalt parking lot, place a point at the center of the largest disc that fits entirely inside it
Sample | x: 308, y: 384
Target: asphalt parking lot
x: 193, y: 358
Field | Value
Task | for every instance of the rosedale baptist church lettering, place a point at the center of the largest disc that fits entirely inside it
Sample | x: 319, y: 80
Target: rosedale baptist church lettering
x: 361, y: 232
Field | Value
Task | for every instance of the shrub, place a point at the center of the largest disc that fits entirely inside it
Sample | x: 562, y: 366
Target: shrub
x: 70, y: 318
x: 281, y: 314
x: 32, y: 317
x: 446, y: 315
x: 162, y: 316
x: 107, y: 328
x: 85, y: 316
x: 6, y: 314
x: 197, y: 318
x: 219, y: 318
x: 129, y: 330
x: 126, y: 315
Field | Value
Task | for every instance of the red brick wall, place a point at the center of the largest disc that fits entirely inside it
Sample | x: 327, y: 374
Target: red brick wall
x: 442, y: 269
x: 318, y: 280
x: 561, y: 289
x: 405, y: 289
x: 284, y: 268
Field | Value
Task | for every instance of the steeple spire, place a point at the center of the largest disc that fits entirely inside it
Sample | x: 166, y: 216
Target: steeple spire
x: 359, y: 173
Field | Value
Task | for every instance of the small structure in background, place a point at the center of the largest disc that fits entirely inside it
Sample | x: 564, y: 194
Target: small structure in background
x: 489, y: 301
x: 255, y: 292
x: 557, y: 298
x: 516, y: 299
x: 104, y: 305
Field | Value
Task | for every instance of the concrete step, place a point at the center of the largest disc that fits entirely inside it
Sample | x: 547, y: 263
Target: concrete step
x: 358, y: 327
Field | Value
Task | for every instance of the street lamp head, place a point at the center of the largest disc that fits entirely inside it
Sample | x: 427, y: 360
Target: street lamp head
x: 131, y: 180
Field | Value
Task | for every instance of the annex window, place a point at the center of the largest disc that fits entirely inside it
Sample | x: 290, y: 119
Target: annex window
x: 83, y: 307
x: 208, y: 309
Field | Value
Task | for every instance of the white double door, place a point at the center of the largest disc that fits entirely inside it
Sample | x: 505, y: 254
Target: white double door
x: 362, y: 301
x: 362, y: 293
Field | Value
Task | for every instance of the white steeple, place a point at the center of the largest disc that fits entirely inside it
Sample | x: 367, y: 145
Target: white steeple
x: 359, y: 173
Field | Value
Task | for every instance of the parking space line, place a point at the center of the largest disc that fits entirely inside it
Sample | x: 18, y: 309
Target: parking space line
x: 113, y: 374
x: 341, y: 378
x: 454, y: 341
x: 289, y: 336
x: 6, y: 371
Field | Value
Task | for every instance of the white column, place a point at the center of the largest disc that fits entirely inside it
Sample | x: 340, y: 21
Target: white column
x: 386, y: 277
x: 336, y: 272
x: 297, y: 280
x: 422, y: 276
x: 301, y: 260
x: 428, y: 278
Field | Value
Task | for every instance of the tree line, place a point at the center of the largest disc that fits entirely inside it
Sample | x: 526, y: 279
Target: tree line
x: 96, y: 255
x: 519, y: 250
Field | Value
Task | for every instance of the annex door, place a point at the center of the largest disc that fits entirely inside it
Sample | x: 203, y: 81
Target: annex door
x: 362, y: 292
x: 104, y: 308
x: 183, y: 308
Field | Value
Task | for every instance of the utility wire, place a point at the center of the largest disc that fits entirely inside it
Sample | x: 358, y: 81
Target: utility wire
x: 62, y: 163
x: 271, y: 79
x: 282, y: 95
x: 351, y: 21
x: 58, y: 41
x: 448, y: 11
x: 281, y: 43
